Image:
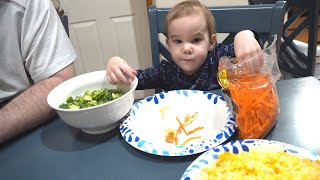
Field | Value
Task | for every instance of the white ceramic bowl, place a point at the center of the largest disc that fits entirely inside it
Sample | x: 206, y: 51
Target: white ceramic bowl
x: 97, y: 119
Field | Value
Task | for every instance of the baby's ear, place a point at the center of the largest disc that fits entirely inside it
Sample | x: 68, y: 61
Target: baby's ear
x: 213, y: 42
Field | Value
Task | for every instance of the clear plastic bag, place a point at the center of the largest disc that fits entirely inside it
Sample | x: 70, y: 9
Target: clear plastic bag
x: 251, y: 93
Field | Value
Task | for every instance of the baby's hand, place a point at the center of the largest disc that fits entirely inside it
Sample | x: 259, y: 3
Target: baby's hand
x: 119, y: 72
x: 248, y: 51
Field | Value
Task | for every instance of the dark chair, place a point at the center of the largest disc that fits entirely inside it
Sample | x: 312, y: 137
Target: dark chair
x: 265, y: 19
x: 292, y: 60
x: 65, y: 22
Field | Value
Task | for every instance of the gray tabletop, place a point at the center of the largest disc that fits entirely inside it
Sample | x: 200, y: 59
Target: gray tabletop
x: 57, y: 151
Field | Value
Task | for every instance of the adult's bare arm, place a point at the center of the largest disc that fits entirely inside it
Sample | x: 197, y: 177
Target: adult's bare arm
x: 30, y: 108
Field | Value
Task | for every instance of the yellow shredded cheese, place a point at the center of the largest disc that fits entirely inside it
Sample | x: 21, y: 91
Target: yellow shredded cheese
x: 261, y: 165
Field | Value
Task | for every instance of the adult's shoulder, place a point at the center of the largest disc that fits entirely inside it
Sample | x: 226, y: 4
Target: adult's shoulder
x: 32, y: 4
x: 18, y: 3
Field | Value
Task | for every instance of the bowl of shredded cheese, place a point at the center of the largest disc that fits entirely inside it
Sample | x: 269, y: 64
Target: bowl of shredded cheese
x: 255, y: 159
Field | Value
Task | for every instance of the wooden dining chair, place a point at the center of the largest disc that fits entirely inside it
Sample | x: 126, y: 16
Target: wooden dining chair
x: 266, y: 19
x: 302, y: 25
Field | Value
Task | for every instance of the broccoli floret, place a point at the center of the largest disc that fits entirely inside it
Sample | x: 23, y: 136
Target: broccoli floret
x: 92, y: 103
x: 115, y: 95
x: 91, y: 98
x: 64, y: 106
x: 88, y: 92
x: 69, y: 99
x: 96, y: 95
x: 87, y: 97
x: 73, y: 106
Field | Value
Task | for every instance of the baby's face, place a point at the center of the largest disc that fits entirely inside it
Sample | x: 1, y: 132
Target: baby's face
x: 189, y: 42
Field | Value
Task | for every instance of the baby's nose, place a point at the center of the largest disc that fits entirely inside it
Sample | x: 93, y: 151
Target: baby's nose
x: 187, y: 49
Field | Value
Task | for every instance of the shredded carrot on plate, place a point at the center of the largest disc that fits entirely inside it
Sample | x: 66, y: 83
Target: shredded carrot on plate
x: 195, y: 130
x: 189, y: 139
x: 171, y: 135
x: 181, y: 126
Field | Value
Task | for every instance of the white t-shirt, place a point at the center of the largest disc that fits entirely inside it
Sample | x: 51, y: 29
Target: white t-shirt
x: 33, y: 45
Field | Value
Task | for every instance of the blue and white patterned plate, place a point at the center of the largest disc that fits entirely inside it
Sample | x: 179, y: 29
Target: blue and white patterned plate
x: 235, y: 147
x: 149, y: 118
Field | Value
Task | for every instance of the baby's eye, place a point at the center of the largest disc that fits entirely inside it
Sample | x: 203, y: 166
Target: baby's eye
x: 177, y: 41
x: 196, y: 40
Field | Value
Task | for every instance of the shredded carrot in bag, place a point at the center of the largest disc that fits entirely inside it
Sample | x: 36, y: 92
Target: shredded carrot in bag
x: 248, y: 85
x: 257, y: 105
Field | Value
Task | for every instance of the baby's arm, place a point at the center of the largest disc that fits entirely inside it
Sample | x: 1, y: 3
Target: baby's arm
x: 119, y: 72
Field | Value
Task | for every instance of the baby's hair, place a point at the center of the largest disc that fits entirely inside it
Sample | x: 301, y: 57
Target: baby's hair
x: 191, y: 7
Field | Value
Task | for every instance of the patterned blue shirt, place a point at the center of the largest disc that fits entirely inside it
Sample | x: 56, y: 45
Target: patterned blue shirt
x: 168, y: 76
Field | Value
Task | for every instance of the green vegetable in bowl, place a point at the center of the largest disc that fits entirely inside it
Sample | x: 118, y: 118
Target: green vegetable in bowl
x: 91, y: 98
